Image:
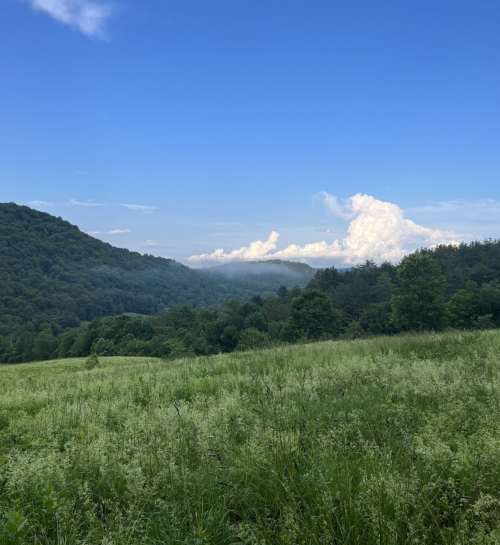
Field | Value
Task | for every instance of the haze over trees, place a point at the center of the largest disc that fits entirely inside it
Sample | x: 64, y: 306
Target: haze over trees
x: 61, y: 292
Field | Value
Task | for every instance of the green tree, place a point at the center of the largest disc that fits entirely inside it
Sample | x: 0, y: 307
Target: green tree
x: 275, y: 309
x: 252, y: 338
x: 257, y: 320
x: 376, y: 319
x: 230, y: 337
x: 44, y: 345
x: 312, y: 314
x: 420, y: 304
x: 462, y: 307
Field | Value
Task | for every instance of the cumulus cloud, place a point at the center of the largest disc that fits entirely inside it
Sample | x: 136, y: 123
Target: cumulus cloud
x: 86, y: 16
x: 256, y: 250
x: 149, y: 243
x: 114, y: 232
x: 140, y: 208
x: 377, y: 230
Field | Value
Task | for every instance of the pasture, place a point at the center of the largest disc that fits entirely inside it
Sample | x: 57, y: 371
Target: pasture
x: 381, y: 441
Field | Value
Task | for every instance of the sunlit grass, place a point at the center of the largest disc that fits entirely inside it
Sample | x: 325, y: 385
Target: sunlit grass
x: 389, y: 440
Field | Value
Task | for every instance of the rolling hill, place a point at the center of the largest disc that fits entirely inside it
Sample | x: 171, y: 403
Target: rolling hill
x: 53, y: 272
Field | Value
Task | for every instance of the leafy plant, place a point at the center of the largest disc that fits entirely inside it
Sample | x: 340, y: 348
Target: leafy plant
x: 91, y: 362
x: 49, y: 503
x: 17, y: 525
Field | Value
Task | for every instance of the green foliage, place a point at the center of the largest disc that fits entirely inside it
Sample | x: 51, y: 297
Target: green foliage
x: 420, y: 303
x: 50, y: 504
x: 313, y: 316
x: 17, y: 526
x: 229, y: 338
x: 376, y: 319
x: 252, y: 339
x: 475, y: 305
x: 91, y: 362
x: 53, y: 277
x: 388, y: 440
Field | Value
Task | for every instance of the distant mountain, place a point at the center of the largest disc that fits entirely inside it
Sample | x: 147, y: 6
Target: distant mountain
x: 52, y: 272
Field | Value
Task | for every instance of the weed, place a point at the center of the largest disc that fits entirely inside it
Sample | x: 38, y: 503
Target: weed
x: 17, y: 526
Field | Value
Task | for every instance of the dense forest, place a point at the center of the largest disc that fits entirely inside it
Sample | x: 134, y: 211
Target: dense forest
x: 432, y: 289
x: 52, y: 274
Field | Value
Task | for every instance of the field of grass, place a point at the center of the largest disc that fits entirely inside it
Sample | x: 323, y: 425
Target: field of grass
x: 383, y: 441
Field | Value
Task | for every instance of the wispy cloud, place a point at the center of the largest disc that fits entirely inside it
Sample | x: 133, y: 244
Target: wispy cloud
x: 332, y: 203
x: 377, y: 230
x: 140, y: 208
x: 86, y: 203
x: 149, y: 243
x: 114, y: 232
x: 85, y: 16
x: 478, y: 208
x: 40, y: 203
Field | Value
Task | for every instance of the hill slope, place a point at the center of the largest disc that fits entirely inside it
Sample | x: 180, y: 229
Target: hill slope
x: 51, y: 271
x: 392, y: 440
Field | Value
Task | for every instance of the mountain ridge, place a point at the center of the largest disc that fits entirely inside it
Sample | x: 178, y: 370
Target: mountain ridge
x: 51, y: 270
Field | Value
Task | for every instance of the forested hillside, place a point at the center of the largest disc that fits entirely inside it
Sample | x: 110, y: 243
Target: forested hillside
x: 368, y: 299
x: 53, y: 276
x: 51, y: 272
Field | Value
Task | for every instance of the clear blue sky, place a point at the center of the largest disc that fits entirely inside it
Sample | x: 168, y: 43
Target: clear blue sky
x: 228, y: 116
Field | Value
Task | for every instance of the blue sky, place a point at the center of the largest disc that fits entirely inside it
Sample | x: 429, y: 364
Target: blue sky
x: 335, y: 124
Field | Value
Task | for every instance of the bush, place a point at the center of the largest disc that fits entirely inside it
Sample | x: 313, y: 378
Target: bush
x: 252, y: 338
x: 91, y: 362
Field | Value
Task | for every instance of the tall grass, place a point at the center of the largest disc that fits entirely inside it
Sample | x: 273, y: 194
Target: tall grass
x: 382, y: 441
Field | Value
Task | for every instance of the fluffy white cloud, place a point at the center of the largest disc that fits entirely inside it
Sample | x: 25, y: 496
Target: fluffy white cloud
x: 377, y: 230
x: 256, y: 250
x: 149, y: 243
x: 83, y: 15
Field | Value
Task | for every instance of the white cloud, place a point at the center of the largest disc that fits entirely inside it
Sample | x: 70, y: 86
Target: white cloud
x: 40, y: 203
x: 114, y: 232
x: 86, y: 16
x: 149, y: 243
x: 256, y: 250
x: 377, y: 230
x: 87, y: 203
x: 333, y: 205
x: 140, y: 208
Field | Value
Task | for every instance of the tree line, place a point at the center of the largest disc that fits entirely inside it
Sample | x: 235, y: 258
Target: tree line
x: 53, y: 277
x: 432, y: 289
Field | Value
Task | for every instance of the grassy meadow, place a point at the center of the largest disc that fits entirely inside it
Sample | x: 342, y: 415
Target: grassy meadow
x: 381, y: 441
